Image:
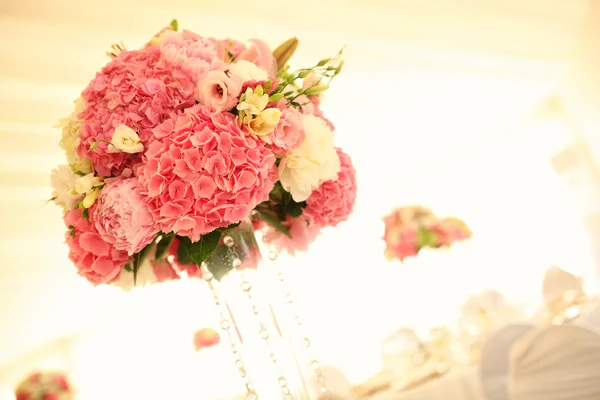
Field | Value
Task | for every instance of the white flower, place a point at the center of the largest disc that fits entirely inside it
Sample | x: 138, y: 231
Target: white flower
x: 69, y: 141
x: 87, y: 183
x: 254, y: 103
x: 125, y: 139
x: 63, y: 182
x: 264, y: 123
x: 315, y: 161
x: 247, y: 71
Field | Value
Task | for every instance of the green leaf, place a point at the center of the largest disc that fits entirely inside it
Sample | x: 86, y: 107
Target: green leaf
x: 199, y: 251
x: 426, y: 238
x: 268, y: 85
x: 175, y: 25
x: 163, y: 245
x: 182, y: 254
x: 85, y: 214
x: 228, y: 227
x: 93, y: 146
x: 79, y: 173
x: 271, y: 218
x: 138, y: 259
x: 291, y: 207
x: 275, y: 97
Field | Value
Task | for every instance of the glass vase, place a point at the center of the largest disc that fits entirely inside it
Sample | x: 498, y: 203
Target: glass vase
x: 268, y: 350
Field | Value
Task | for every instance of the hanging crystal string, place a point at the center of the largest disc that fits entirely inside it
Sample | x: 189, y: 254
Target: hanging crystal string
x: 226, y: 325
x: 246, y: 287
x: 289, y: 297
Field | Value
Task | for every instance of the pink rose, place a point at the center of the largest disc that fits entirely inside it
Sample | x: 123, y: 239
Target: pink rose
x: 289, y: 132
x: 95, y: 259
x: 302, y: 234
x: 261, y: 55
x: 121, y: 216
x: 333, y: 201
x: 219, y: 91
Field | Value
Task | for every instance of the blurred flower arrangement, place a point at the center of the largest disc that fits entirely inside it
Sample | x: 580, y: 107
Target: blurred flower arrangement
x: 44, y: 386
x: 172, y: 144
x: 205, y: 338
x: 410, y: 229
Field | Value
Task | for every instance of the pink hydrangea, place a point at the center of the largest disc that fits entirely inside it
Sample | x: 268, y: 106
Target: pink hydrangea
x: 202, y: 172
x: 95, y: 259
x: 136, y: 89
x: 191, y: 55
x: 302, y: 234
x: 289, y: 132
x: 333, y: 201
x: 121, y: 217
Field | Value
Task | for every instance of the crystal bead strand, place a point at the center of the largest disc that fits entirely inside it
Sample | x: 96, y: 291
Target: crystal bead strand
x: 264, y: 332
x: 226, y: 326
x: 314, y: 363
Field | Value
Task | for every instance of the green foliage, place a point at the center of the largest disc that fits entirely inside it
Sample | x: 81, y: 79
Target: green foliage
x: 175, y: 25
x: 196, y: 252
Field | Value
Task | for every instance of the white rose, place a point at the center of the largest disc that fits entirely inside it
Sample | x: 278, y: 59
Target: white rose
x: 254, y: 104
x: 125, y: 139
x: 63, y: 182
x: 264, y: 123
x: 315, y: 161
x: 247, y: 71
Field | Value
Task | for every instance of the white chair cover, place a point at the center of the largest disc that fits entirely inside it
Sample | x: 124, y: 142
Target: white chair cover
x: 556, y: 363
x: 495, y: 360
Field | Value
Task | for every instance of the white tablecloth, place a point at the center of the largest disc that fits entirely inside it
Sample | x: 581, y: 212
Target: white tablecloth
x: 455, y: 385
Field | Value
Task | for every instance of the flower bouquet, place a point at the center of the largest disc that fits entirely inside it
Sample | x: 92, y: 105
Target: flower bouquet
x: 44, y: 386
x: 412, y: 228
x: 174, y: 144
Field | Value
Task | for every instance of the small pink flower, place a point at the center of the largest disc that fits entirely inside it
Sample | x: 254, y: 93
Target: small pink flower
x: 121, y: 216
x: 219, y: 91
x: 202, y: 172
x: 333, y: 201
x: 302, y: 234
x: 261, y: 55
x: 205, y: 338
x: 95, y: 259
x: 62, y: 382
x: 401, y: 242
x: 289, y: 132
x: 23, y: 395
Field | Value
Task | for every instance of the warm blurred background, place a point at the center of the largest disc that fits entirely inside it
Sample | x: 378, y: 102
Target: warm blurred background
x: 494, y: 108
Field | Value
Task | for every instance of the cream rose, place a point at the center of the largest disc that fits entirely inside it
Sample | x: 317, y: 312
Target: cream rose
x: 125, y: 139
x: 303, y: 169
x: 247, y: 71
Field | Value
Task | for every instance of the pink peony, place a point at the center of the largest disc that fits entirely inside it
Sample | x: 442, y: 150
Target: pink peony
x: 192, y: 270
x: 219, y: 91
x: 289, y: 132
x: 121, y: 218
x: 135, y: 89
x: 302, y: 234
x: 203, y: 173
x: 333, y: 201
x: 261, y: 55
x: 96, y: 260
